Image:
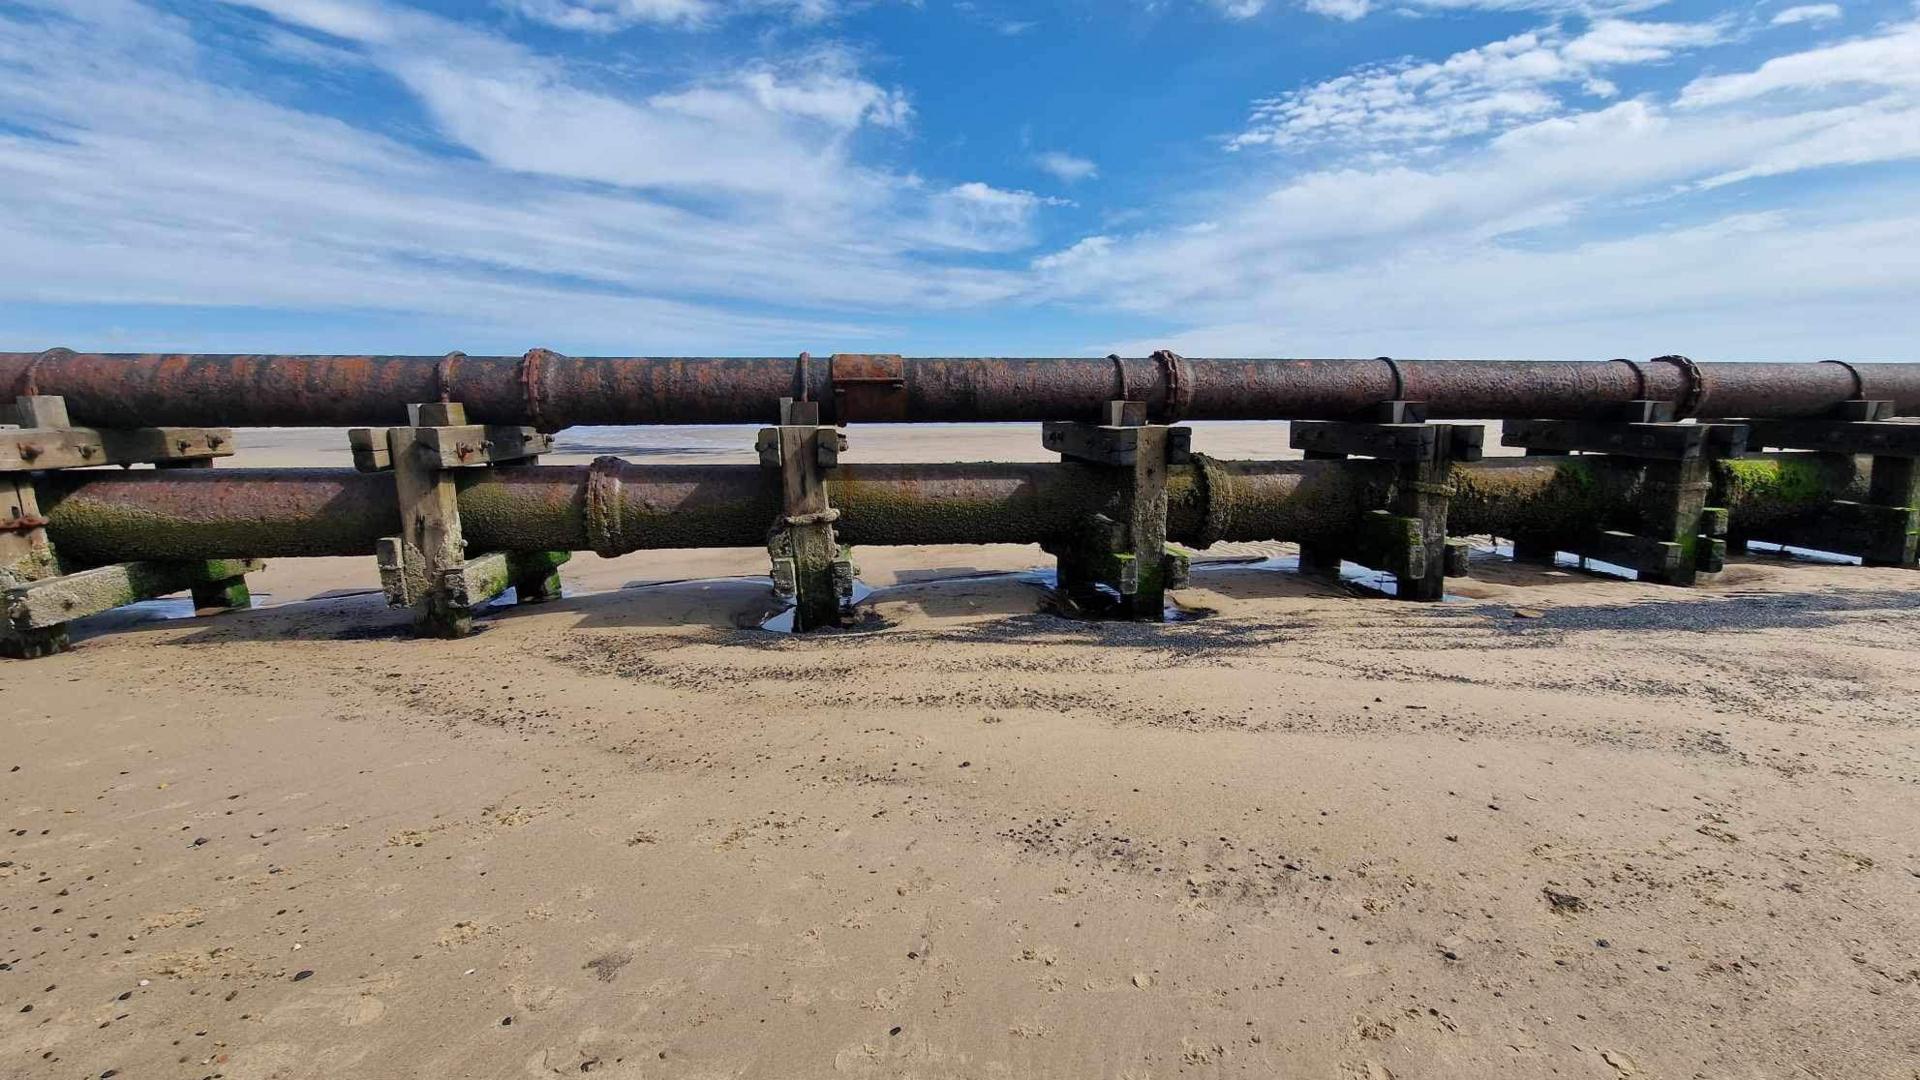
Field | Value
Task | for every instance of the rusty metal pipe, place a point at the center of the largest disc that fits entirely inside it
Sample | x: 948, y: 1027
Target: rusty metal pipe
x: 100, y: 517
x: 552, y: 391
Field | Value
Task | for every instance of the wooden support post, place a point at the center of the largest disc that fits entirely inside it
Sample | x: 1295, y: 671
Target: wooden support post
x: 39, y: 601
x: 1120, y: 561
x: 1883, y: 530
x: 1672, y: 536
x: 1408, y: 537
x: 25, y: 552
x: 1894, y: 487
x: 426, y: 568
x: 1672, y: 510
x: 809, y: 567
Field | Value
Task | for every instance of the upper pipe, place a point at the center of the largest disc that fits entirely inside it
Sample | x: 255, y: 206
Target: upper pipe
x: 551, y: 391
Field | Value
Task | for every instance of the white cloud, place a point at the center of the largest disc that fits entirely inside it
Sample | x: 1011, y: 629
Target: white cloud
x: 1066, y: 168
x: 609, y: 16
x: 1473, y: 92
x: 1890, y: 59
x: 1716, y: 289
x: 1390, y: 252
x: 1239, y: 9
x: 979, y: 217
x: 148, y: 182
x: 1345, y: 10
x: 1807, y: 13
x: 606, y: 16
x: 767, y: 130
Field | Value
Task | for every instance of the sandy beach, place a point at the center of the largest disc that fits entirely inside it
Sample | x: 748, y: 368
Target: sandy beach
x: 1561, y: 825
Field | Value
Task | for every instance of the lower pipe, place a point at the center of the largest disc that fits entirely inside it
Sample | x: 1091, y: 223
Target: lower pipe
x: 104, y: 517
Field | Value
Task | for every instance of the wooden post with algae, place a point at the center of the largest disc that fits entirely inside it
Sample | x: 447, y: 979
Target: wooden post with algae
x: 1408, y: 537
x: 427, y: 567
x: 809, y: 567
x: 1118, y: 559
x: 39, y: 593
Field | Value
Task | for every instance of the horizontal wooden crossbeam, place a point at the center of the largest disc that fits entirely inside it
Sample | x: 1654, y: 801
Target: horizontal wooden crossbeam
x: 53, y: 601
x: 1668, y: 441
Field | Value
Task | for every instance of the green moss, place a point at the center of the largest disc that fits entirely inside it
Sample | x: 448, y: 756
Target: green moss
x: 1797, y: 481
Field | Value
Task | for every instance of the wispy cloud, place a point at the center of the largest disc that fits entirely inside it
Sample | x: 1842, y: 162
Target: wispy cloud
x: 1239, y: 9
x: 1344, y: 10
x: 1807, y: 13
x: 692, y: 214
x: 609, y: 16
x: 1066, y: 168
x: 1334, y: 254
x: 1472, y: 92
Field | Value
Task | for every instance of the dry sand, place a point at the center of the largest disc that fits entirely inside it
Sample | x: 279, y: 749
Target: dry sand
x: 1650, y: 832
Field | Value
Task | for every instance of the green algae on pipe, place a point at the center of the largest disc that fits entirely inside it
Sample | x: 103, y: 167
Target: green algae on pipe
x: 101, y: 517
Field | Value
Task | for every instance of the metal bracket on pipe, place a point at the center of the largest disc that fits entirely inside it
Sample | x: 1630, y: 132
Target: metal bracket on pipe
x: 1884, y: 530
x: 868, y: 387
x: 426, y: 568
x: 1674, y: 535
x: 810, y: 568
x: 1121, y: 560
x: 39, y: 600
x: 1407, y: 538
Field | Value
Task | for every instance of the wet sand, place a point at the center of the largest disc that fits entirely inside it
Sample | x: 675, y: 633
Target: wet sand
x: 1562, y: 825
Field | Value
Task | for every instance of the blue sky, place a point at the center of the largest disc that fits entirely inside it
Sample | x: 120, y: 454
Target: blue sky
x: 1486, y: 178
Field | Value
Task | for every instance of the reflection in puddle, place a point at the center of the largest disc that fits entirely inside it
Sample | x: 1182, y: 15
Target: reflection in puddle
x: 166, y: 607
x: 1359, y: 580
x: 1799, y: 554
x: 1565, y: 561
x: 782, y: 621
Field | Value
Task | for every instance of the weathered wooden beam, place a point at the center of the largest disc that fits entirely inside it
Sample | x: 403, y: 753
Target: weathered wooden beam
x: 1390, y: 442
x: 1642, y: 440
x: 1890, y: 438
x: 55, y: 600
x: 34, y: 449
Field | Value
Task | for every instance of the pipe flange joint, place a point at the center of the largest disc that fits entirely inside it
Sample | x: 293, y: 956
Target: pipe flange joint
x: 1179, y: 382
x: 1696, y: 384
x: 1216, y: 489
x: 606, y: 527
x: 533, y: 386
